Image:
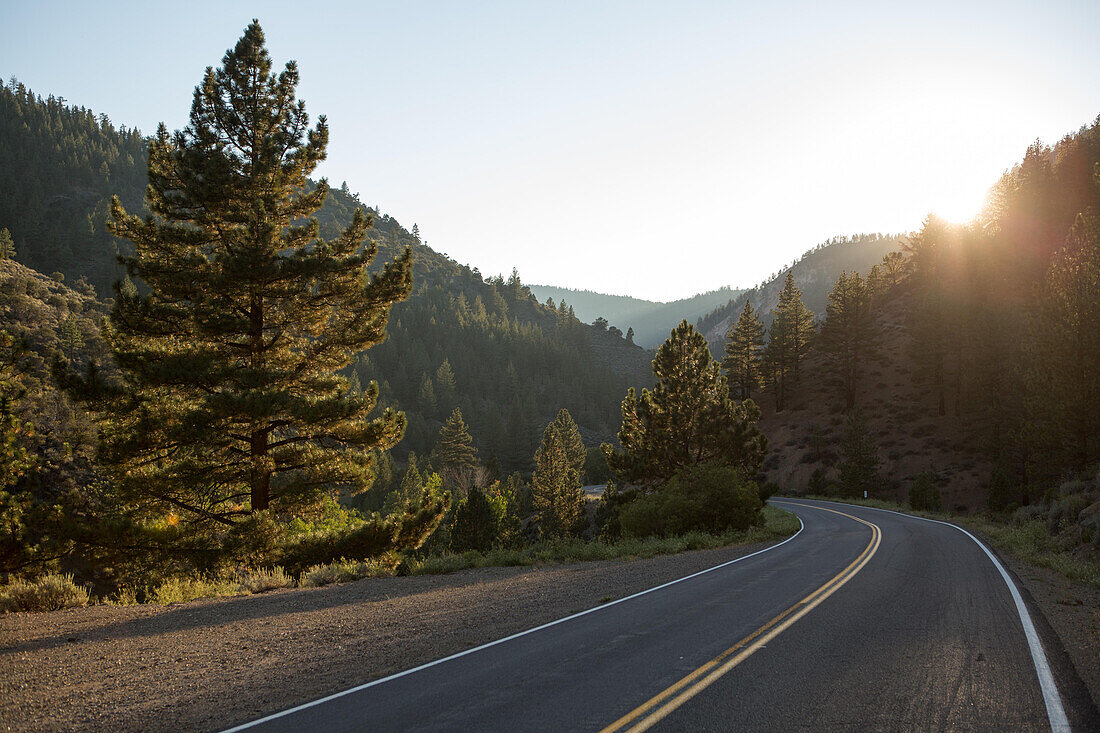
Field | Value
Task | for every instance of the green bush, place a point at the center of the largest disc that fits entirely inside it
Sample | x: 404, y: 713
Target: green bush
x: 819, y: 485
x: 475, y: 524
x: 708, y: 497
x: 924, y: 494
x: 48, y: 593
x: 265, y: 579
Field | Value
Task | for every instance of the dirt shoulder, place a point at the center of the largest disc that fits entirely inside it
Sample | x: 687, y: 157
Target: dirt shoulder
x: 1073, y: 612
x: 206, y: 665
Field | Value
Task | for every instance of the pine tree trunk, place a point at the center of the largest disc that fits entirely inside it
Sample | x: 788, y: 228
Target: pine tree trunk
x: 261, y: 477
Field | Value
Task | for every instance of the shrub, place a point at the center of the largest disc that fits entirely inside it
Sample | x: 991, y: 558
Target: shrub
x: 708, y: 497
x: 924, y: 494
x: 819, y: 485
x: 265, y: 579
x: 767, y: 490
x: 348, y: 570
x: 181, y: 590
x: 474, y: 525
x: 48, y: 593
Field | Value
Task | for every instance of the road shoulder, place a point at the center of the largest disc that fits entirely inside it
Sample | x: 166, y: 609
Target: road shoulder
x: 209, y: 664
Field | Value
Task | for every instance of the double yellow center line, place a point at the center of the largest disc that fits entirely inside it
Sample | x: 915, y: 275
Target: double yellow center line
x: 657, y: 707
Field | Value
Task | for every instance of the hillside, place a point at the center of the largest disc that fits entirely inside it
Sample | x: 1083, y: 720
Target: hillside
x: 815, y: 273
x: 909, y: 434
x: 650, y: 320
x: 485, y: 345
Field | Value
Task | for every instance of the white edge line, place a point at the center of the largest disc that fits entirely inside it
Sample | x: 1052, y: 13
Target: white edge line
x: 1056, y: 714
x: 352, y: 690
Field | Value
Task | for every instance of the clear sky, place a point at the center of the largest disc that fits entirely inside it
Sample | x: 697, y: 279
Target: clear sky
x: 655, y: 149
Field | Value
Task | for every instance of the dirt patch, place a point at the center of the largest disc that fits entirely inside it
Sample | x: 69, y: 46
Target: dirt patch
x: 1073, y: 611
x: 209, y: 664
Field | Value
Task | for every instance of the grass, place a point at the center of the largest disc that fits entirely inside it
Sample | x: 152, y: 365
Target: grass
x: 1029, y: 541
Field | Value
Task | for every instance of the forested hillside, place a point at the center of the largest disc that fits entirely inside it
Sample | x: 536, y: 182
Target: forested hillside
x: 650, y: 321
x: 462, y: 340
x: 963, y: 370
x: 814, y: 273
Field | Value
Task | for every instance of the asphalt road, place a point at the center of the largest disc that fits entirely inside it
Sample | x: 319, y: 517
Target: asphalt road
x: 865, y: 620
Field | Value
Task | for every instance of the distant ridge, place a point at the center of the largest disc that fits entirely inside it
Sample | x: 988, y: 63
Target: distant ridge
x: 650, y: 320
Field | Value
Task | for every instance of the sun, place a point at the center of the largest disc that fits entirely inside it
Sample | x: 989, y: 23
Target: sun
x: 960, y: 206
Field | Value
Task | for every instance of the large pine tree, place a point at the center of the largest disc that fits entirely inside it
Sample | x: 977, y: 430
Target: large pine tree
x: 232, y: 343
x: 744, y: 344
x: 788, y: 341
x: 687, y: 418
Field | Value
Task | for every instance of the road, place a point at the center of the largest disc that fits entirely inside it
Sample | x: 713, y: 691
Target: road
x: 865, y: 620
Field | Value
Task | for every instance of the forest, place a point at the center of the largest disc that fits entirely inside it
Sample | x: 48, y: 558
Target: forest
x: 221, y: 374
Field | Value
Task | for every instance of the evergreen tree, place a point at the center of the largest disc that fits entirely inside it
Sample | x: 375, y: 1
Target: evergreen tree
x: 893, y: 268
x: 688, y: 417
x: 233, y: 404
x: 7, y: 246
x: 444, y: 384
x: 571, y: 439
x: 630, y: 335
x: 847, y: 336
x: 556, y: 492
x: 789, y: 340
x: 455, y: 456
x: 859, y: 461
x: 744, y: 344
x: 474, y: 524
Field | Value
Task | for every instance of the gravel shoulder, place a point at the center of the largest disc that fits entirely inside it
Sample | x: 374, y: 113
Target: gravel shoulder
x: 208, y: 664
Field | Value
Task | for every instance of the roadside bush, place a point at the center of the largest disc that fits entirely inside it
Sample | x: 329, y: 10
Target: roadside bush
x: 474, y: 525
x: 344, y: 571
x: 181, y: 590
x: 818, y: 485
x: 48, y: 593
x: 924, y: 494
x: 265, y: 579
x: 708, y: 497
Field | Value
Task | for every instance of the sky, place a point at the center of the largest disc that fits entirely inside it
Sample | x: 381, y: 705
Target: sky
x: 654, y: 149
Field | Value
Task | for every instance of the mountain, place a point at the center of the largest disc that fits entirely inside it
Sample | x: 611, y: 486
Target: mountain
x: 485, y: 345
x: 815, y: 273
x: 650, y: 320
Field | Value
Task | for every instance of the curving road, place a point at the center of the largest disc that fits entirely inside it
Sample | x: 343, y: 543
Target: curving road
x: 865, y: 620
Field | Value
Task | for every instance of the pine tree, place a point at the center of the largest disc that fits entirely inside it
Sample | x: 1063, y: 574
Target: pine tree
x: 630, y: 335
x: 444, y: 384
x: 789, y: 340
x: 859, y: 462
x: 571, y: 439
x: 744, y: 344
x: 556, y: 492
x: 455, y: 456
x: 893, y: 269
x: 687, y: 418
x: 7, y: 246
x: 847, y: 335
x: 233, y: 404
